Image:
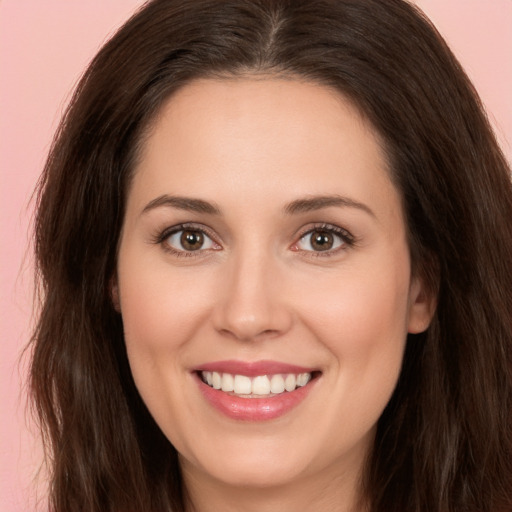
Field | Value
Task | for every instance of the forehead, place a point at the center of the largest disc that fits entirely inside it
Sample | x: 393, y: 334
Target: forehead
x: 258, y: 139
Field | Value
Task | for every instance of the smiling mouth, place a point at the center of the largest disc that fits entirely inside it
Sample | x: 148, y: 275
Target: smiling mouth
x: 259, y: 386
x: 255, y: 391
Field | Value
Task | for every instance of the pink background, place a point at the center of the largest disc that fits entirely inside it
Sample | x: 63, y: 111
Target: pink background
x: 44, y: 47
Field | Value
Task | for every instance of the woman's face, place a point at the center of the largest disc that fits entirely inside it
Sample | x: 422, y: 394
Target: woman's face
x: 264, y: 251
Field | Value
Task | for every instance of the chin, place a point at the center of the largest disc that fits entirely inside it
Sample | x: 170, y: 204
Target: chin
x: 261, y: 464
x: 258, y: 476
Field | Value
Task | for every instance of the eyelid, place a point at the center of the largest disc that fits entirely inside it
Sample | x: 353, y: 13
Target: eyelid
x: 347, y: 238
x: 163, y: 235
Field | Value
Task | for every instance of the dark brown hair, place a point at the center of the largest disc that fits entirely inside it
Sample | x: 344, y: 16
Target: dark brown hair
x: 444, y: 442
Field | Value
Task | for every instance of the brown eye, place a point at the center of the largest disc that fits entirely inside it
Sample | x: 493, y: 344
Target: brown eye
x: 189, y: 240
x: 192, y: 240
x: 323, y: 239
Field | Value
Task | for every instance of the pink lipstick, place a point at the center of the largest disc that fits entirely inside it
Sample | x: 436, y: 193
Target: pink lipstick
x: 254, y: 391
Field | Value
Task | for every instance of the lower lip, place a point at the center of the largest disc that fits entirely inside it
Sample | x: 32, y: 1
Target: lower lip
x: 254, y: 409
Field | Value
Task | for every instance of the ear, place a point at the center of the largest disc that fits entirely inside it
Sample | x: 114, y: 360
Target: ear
x: 422, y: 306
x: 114, y: 293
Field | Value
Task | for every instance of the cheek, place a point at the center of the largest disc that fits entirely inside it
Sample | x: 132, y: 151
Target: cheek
x: 363, y: 324
x: 161, y: 310
x: 160, y: 307
x: 363, y: 306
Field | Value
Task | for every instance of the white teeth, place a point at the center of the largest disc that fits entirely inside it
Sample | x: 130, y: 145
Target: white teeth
x: 243, y: 385
x: 216, y: 380
x: 290, y: 383
x: 227, y: 382
x: 260, y: 385
x: 303, y: 379
x: 277, y: 384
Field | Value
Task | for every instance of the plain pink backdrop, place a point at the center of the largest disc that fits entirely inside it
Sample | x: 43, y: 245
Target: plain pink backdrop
x: 44, y: 47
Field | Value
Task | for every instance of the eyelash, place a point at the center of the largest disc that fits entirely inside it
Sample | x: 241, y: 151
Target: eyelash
x: 347, y: 239
x: 164, y: 236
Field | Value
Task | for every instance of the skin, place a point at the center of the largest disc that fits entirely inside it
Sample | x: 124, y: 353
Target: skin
x: 259, y: 290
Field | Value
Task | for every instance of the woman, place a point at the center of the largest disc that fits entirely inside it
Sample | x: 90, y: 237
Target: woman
x: 275, y: 251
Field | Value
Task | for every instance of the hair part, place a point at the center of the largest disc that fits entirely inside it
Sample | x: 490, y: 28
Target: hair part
x: 444, y: 442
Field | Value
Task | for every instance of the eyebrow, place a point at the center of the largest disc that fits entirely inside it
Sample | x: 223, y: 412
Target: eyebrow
x: 313, y: 203
x: 303, y: 205
x: 183, y: 203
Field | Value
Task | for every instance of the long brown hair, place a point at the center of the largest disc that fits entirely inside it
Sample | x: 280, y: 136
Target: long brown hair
x: 444, y: 442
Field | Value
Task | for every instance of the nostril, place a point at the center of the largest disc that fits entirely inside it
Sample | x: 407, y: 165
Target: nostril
x: 249, y: 335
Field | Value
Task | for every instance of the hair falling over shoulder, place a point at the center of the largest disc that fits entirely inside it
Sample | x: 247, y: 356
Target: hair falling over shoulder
x: 444, y: 442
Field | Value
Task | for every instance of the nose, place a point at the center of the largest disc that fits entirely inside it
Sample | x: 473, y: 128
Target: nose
x: 252, y: 303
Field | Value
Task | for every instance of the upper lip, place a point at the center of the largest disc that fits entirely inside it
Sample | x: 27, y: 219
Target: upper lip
x: 253, y: 368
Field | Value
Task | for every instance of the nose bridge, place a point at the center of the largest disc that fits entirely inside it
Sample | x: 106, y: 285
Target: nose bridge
x: 251, y: 303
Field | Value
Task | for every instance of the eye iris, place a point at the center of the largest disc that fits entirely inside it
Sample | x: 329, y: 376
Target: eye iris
x: 322, y: 240
x: 192, y: 240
